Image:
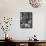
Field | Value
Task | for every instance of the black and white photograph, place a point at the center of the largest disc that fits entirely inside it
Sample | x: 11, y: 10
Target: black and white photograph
x: 25, y: 19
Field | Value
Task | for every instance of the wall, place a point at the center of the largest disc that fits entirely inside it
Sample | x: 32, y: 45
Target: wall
x: 12, y: 8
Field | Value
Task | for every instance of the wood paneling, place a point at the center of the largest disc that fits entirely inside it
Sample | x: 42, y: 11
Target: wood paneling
x: 25, y: 44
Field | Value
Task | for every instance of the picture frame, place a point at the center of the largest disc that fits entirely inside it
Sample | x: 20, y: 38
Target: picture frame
x: 25, y: 19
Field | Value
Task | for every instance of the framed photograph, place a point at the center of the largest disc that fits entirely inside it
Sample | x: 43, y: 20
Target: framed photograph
x: 25, y: 19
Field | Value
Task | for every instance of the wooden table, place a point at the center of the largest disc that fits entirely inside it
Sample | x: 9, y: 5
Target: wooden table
x: 28, y: 43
